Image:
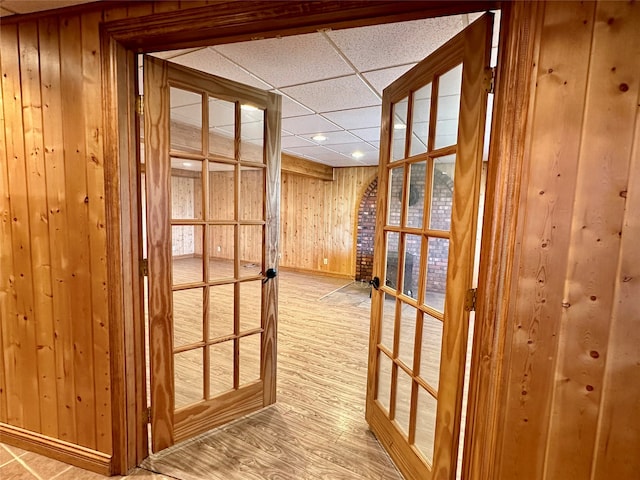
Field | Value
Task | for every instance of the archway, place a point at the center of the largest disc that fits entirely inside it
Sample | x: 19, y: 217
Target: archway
x: 366, y: 231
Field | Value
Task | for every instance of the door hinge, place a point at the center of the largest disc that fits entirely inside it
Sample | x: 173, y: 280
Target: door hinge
x: 144, y: 267
x: 470, y: 300
x: 148, y: 414
x: 489, y: 79
x: 140, y: 105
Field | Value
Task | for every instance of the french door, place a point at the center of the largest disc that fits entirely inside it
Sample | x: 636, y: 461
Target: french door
x: 212, y: 168
x: 433, y: 121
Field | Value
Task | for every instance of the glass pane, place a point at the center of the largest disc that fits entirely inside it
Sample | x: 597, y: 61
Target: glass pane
x: 186, y: 189
x: 403, y: 401
x: 220, y: 311
x: 250, y: 359
x: 430, y: 350
x: 221, y: 191
x: 387, y: 321
x: 420, y: 120
x: 384, y: 380
x: 188, y: 316
x: 448, y: 107
x: 442, y: 192
x: 407, y: 334
x: 185, y: 120
x: 437, y: 261
x: 186, y: 251
x: 415, y: 202
x: 221, y: 368
x: 399, y: 129
x: 411, y: 265
x: 250, y: 305
x: 221, y: 252
x: 188, y: 377
x: 396, y: 184
x: 391, y: 273
x: 250, y: 250
x: 222, y: 127
x: 425, y: 423
x: 252, y: 134
x: 251, y: 196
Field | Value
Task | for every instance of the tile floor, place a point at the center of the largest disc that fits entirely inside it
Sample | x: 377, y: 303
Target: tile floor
x: 18, y: 464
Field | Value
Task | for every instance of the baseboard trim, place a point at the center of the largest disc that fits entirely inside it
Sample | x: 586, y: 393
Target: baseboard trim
x: 324, y: 273
x: 58, y: 449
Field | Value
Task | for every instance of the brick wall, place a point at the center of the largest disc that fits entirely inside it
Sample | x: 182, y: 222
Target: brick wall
x: 440, y: 218
x: 366, y: 231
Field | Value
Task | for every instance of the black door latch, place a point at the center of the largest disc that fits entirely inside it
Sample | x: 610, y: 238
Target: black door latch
x: 375, y: 283
x: 271, y: 273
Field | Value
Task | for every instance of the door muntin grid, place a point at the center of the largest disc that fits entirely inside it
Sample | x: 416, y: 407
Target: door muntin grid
x: 218, y: 232
x: 417, y: 233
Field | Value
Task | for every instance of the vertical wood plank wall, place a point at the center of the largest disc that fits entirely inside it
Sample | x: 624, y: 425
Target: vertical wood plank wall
x: 572, y: 402
x: 572, y: 387
x: 318, y: 220
x: 55, y: 366
x: 55, y: 328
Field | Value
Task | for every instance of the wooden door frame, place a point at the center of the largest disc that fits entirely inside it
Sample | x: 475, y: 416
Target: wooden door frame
x: 225, y: 22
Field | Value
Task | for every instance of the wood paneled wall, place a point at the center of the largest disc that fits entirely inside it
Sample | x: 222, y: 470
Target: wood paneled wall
x: 571, y: 386
x: 53, y: 291
x: 571, y: 405
x: 319, y: 219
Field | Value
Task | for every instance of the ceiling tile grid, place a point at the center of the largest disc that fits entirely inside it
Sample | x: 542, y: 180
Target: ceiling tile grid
x: 331, y: 82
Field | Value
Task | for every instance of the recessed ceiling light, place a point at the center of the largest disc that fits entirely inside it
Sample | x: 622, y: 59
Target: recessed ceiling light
x: 319, y: 138
x: 248, y: 108
x: 399, y: 126
x: 187, y: 164
x: 357, y: 154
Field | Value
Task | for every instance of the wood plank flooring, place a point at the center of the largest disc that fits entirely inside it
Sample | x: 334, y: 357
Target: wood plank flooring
x: 316, y: 430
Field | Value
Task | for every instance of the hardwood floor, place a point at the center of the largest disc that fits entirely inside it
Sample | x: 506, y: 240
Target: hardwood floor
x: 316, y: 430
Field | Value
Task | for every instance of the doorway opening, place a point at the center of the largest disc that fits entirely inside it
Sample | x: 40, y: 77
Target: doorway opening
x: 185, y: 190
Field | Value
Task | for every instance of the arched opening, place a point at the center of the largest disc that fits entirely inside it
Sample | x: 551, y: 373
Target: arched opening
x: 366, y: 231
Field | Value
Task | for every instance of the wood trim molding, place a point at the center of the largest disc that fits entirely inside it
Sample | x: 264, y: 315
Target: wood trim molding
x: 58, y: 449
x: 499, y: 254
x: 223, y: 22
x: 306, y: 168
x: 128, y: 383
x: 219, y: 22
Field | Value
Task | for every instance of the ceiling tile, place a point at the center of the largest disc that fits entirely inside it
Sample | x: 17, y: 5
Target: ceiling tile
x: 316, y: 152
x: 335, y: 94
x: 209, y: 61
x: 381, y: 79
x: 191, y: 115
x: 168, y: 54
x: 367, y: 134
x: 295, y: 141
x: 181, y: 98
x: 357, y: 118
x: 306, y: 57
x: 349, y: 148
x: 291, y: 108
x: 381, y: 46
x: 337, y: 138
x: 308, y: 124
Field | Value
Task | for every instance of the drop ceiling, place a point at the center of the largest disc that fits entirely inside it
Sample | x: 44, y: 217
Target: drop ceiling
x: 331, y: 82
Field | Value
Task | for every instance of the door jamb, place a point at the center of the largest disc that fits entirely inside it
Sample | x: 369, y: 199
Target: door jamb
x: 121, y: 40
